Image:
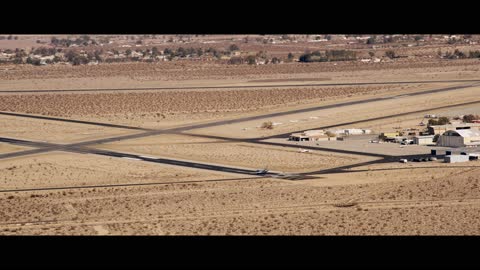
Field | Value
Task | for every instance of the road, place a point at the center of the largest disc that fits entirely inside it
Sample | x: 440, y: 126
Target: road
x: 83, y: 150
x: 229, y: 86
x: 149, y: 132
x: 71, y: 121
x: 46, y: 147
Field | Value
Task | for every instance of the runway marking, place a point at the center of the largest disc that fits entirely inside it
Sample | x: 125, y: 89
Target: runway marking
x: 131, y: 158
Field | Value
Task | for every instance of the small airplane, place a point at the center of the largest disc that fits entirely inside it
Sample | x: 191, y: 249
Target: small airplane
x: 261, y: 171
x: 304, y: 150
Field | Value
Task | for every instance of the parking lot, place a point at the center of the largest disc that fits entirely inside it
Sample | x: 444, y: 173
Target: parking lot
x: 361, y: 143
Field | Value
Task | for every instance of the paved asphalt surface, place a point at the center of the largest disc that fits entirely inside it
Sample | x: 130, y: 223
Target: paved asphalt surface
x: 43, y: 147
x: 79, y: 147
x: 243, y: 119
x: 70, y: 120
x: 226, y: 87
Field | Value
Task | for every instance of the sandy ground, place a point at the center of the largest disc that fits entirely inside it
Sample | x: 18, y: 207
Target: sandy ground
x: 186, y: 73
x: 428, y: 198
x: 235, y: 154
x: 401, y: 204
x: 327, y: 117
x: 168, y: 101
x: 59, y: 169
x: 55, y: 131
x: 161, y: 109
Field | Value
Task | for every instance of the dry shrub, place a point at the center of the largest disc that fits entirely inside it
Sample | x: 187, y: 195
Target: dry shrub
x: 346, y: 204
x: 267, y: 125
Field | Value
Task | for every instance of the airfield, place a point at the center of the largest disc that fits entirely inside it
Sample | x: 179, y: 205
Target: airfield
x: 177, y: 153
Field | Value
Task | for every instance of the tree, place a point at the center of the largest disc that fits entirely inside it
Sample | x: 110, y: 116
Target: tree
x: 251, y: 60
x: 235, y: 60
x: 233, y: 47
x: 199, y: 52
x: 470, y: 117
x: 372, y: 54
x: 459, y: 54
x: 139, y: 42
x: 155, y: 51
x: 128, y: 52
x: 441, y: 121
x: 275, y: 60
x: 97, y: 54
x: 78, y: 60
x: 452, y: 41
x: 307, y: 57
x: 370, y: 41
x: 70, y: 55
x: 390, y: 54
x: 167, y: 51
x: 474, y: 54
x: 18, y: 60
x: 417, y: 38
x: 90, y: 56
x: 290, y: 57
x: 10, y: 37
x: 181, y: 52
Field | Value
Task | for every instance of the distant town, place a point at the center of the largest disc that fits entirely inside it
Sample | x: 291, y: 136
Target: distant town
x: 92, y: 50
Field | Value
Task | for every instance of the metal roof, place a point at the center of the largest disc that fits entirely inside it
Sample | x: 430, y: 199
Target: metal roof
x: 466, y: 133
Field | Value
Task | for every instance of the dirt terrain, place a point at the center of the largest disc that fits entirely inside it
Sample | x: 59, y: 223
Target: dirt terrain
x: 354, y: 189
x: 54, y: 131
x: 59, y: 169
x: 436, y: 205
x: 224, y: 152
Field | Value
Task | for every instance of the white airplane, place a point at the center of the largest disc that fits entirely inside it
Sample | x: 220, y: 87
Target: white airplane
x: 261, y: 171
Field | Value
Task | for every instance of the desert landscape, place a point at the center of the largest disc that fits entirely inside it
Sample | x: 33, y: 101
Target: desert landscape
x: 239, y: 135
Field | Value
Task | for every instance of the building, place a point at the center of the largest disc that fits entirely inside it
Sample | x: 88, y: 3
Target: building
x: 459, y: 138
x: 456, y: 158
x: 434, y: 130
x: 310, y: 135
x: 389, y: 135
x: 352, y: 131
x: 423, y: 140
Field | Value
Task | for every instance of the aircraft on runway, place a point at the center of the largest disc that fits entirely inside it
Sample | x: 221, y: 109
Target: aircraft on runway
x: 261, y: 171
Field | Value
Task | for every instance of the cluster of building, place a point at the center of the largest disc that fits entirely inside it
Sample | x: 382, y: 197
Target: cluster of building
x: 326, y: 135
x: 452, y: 156
x: 451, y: 135
x: 312, y: 135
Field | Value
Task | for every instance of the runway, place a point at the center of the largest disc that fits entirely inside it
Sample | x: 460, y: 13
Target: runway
x: 227, y: 86
x: 43, y: 147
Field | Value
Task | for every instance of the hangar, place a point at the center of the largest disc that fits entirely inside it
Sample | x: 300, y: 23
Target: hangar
x: 459, y: 138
